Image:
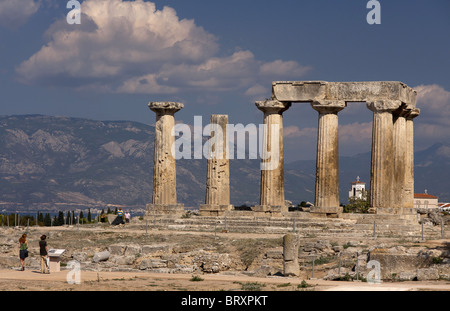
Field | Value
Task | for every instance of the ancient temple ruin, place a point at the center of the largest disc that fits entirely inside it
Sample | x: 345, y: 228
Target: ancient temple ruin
x: 392, y: 166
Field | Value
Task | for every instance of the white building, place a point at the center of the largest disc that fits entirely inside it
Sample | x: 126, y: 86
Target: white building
x: 358, y: 188
x: 425, y: 200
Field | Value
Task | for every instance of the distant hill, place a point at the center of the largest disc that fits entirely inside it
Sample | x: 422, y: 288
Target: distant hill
x: 59, y: 163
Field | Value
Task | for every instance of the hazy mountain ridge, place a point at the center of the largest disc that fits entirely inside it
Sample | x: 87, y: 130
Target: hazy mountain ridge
x: 59, y: 162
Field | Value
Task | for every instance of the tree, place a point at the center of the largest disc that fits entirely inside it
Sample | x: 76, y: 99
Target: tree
x: 59, y: 220
x: 40, y: 217
x: 47, y: 220
x: 358, y: 205
x: 89, y: 217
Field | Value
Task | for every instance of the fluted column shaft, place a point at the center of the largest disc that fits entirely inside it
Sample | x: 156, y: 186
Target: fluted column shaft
x: 327, y: 160
x: 272, y: 163
x: 382, y: 167
x: 218, y: 174
x: 400, y: 158
x: 408, y: 197
x: 217, y: 200
x: 164, y: 169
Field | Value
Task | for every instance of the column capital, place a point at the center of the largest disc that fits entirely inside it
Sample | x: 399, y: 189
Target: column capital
x: 272, y: 106
x: 414, y: 113
x: 162, y: 108
x: 383, y: 105
x: 328, y: 106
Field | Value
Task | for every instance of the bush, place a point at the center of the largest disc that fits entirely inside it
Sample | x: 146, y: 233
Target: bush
x: 196, y: 278
x: 304, y: 284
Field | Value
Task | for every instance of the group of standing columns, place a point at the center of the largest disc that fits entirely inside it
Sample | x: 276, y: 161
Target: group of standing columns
x: 392, y: 165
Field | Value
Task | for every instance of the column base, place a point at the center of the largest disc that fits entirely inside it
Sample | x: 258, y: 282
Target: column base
x: 214, y: 210
x: 269, y: 210
x: 165, y: 210
x: 395, y: 211
x: 326, y: 210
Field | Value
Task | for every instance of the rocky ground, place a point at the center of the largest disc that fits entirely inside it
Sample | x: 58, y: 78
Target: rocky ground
x: 132, y: 258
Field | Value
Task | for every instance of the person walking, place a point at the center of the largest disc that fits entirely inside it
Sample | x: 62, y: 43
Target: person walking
x: 127, y: 217
x: 23, y: 250
x: 43, y: 251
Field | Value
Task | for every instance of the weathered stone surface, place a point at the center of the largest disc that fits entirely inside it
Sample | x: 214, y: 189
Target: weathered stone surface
x: 399, y: 259
x: 152, y: 263
x: 381, y: 180
x: 164, y: 200
x: 427, y: 274
x: 101, y: 256
x: 290, y: 255
x: 167, y: 107
x: 327, y: 160
x: 9, y: 261
x: 156, y: 249
x: 132, y: 250
x: 80, y: 256
x: 212, y: 262
x: 217, y: 200
x: 122, y: 260
x: 272, y: 159
x: 117, y: 249
x: 409, y: 163
x: 400, y: 158
x: 307, y: 91
x: 407, y: 276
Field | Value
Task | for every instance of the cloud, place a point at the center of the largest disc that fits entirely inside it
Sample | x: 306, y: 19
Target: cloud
x: 131, y: 47
x: 15, y: 13
x: 433, y: 124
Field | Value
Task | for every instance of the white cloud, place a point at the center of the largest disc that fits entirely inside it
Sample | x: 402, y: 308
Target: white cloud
x: 131, y: 47
x: 433, y: 124
x: 15, y: 13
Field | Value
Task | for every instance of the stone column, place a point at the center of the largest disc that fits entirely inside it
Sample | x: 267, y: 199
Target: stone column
x: 382, y: 167
x: 408, y: 198
x: 217, y: 200
x: 399, y: 149
x: 327, y: 162
x: 164, y: 201
x: 272, y: 164
x: 290, y: 255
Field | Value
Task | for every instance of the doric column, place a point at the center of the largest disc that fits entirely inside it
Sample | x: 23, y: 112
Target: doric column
x: 327, y: 161
x: 272, y: 163
x: 164, y: 201
x: 217, y: 200
x: 408, y: 198
x: 399, y: 149
x: 382, y: 167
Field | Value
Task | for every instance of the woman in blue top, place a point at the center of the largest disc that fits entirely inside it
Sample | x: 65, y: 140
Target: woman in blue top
x: 23, y: 250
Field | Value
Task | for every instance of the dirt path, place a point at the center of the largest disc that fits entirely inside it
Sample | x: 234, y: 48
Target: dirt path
x: 32, y: 280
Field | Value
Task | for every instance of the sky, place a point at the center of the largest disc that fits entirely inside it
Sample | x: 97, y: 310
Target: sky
x: 219, y: 57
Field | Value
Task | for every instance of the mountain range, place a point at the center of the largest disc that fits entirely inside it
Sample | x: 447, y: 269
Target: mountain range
x: 60, y: 163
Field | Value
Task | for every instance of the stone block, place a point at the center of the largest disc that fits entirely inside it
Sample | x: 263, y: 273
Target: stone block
x: 132, y: 250
x: 427, y: 274
x: 156, y: 249
x: 117, y: 249
x: 101, y: 256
